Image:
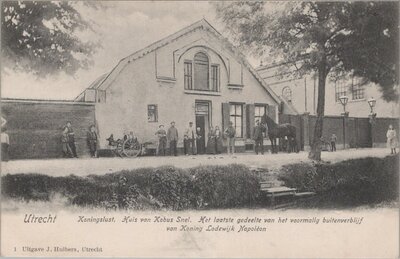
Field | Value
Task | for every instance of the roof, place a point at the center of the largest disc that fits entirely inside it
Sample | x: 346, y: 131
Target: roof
x: 104, y: 82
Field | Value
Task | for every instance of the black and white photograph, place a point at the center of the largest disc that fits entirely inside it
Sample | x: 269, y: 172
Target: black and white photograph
x: 200, y: 129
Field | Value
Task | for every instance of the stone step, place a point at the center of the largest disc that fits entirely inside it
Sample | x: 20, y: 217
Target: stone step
x: 278, y: 191
x: 304, y: 194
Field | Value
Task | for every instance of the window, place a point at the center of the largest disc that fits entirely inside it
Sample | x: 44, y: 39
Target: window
x: 200, y: 75
x: 201, y: 72
x: 357, y: 89
x: 214, y: 78
x: 188, y: 75
x: 287, y: 93
x: 152, y: 113
x: 259, y: 111
x: 340, y: 89
x: 236, y: 117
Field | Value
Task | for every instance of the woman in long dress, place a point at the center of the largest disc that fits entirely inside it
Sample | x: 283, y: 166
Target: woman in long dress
x: 211, y: 142
x: 218, y: 140
x: 391, y: 139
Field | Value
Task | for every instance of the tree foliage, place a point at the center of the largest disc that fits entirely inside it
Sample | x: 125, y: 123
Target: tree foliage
x: 323, y: 37
x: 356, y: 37
x: 41, y: 37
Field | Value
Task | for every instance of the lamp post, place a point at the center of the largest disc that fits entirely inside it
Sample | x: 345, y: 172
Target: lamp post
x: 372, y: 117
x: 343, y: 100
x: 372, y: 103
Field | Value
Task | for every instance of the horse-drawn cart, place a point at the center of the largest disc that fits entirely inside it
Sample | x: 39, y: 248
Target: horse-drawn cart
x: 128, y: 147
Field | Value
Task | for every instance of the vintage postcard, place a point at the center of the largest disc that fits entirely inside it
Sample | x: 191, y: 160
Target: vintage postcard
x: 197, y: 129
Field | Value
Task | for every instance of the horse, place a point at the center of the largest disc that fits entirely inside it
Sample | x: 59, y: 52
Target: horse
x: 284, y: 132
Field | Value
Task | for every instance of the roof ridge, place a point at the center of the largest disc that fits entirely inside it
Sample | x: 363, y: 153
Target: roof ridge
x: 200, y: 23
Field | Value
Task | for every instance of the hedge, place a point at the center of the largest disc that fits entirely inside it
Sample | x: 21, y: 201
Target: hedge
x: 146, y: 188
x: 345, y: 184
x: 348, y: 183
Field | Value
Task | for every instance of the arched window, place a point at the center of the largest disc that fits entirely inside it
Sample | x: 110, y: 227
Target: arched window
x: 287, y: 93
x: 201, y: 74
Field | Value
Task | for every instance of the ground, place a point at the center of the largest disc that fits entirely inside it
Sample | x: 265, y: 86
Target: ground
x: 86, y: 166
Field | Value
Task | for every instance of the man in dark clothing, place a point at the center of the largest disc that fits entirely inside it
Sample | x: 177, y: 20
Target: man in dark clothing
x: 71, y: 138
x: 258, y: 137
x: 200, y: 144
x: 92, y: 141
x: 172, y: 136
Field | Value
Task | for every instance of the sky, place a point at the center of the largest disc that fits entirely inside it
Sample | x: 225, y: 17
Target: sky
x: 123, y: 28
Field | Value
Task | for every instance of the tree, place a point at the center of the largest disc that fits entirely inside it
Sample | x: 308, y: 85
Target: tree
x: 41, y: 37
x: 327, y: 38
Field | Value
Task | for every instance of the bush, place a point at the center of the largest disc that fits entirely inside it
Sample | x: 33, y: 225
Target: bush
x: 145, y: 188
x: 352, y: 182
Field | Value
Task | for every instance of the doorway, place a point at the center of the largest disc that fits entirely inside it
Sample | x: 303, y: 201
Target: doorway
x: 203, y: 118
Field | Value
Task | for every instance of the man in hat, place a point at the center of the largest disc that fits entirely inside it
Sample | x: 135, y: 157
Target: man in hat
x: 191, y: 137
x: 230, y: 133
x: 172, y: 136
x: 71, y: 138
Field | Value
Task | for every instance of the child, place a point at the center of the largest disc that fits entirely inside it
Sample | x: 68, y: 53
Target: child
x: 333, y: 142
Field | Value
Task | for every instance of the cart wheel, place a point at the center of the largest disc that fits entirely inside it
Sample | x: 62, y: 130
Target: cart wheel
x: 119, y: 151
x: 131, y: 149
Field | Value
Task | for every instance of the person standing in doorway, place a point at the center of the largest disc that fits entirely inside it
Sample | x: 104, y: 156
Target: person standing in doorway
x: 172, y: 136
x: 230, y: 133
x: 333, y: 142
x: 71, y: 138
x: 92, y: 141
x: 258, y: 137
x: 191, y: 137
x: 391, y: 139
x: 5, y: 144
x: 162, y: 140
x: 200, y: 145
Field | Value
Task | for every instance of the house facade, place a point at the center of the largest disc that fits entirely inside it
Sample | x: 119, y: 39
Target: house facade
x: 302, y: 93
x: 194, y: 75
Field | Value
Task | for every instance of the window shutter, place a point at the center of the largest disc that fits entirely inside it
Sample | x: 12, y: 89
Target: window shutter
x: 250, y: 120
x: 225, y: 115
x: 244, y: 120
x: 272, y: 112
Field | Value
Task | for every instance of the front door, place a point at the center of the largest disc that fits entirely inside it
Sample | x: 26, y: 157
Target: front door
x: 203, y: 118
x: 200, y: 130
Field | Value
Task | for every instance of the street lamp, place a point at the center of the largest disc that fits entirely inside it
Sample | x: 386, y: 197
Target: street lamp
x: 372, y: 103
x: 372, y: 117
x: 343, y: 100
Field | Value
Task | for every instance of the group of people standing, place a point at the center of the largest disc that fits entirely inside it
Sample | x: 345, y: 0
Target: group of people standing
x: 68, y: 141
x: 193, y: 140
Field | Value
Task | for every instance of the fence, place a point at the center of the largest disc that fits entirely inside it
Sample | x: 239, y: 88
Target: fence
x: 352, y: 131
x: 34, y: 127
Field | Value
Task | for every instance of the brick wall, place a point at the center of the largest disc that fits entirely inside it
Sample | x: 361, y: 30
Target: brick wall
x: 359, y: 133
x: 35, y: 127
